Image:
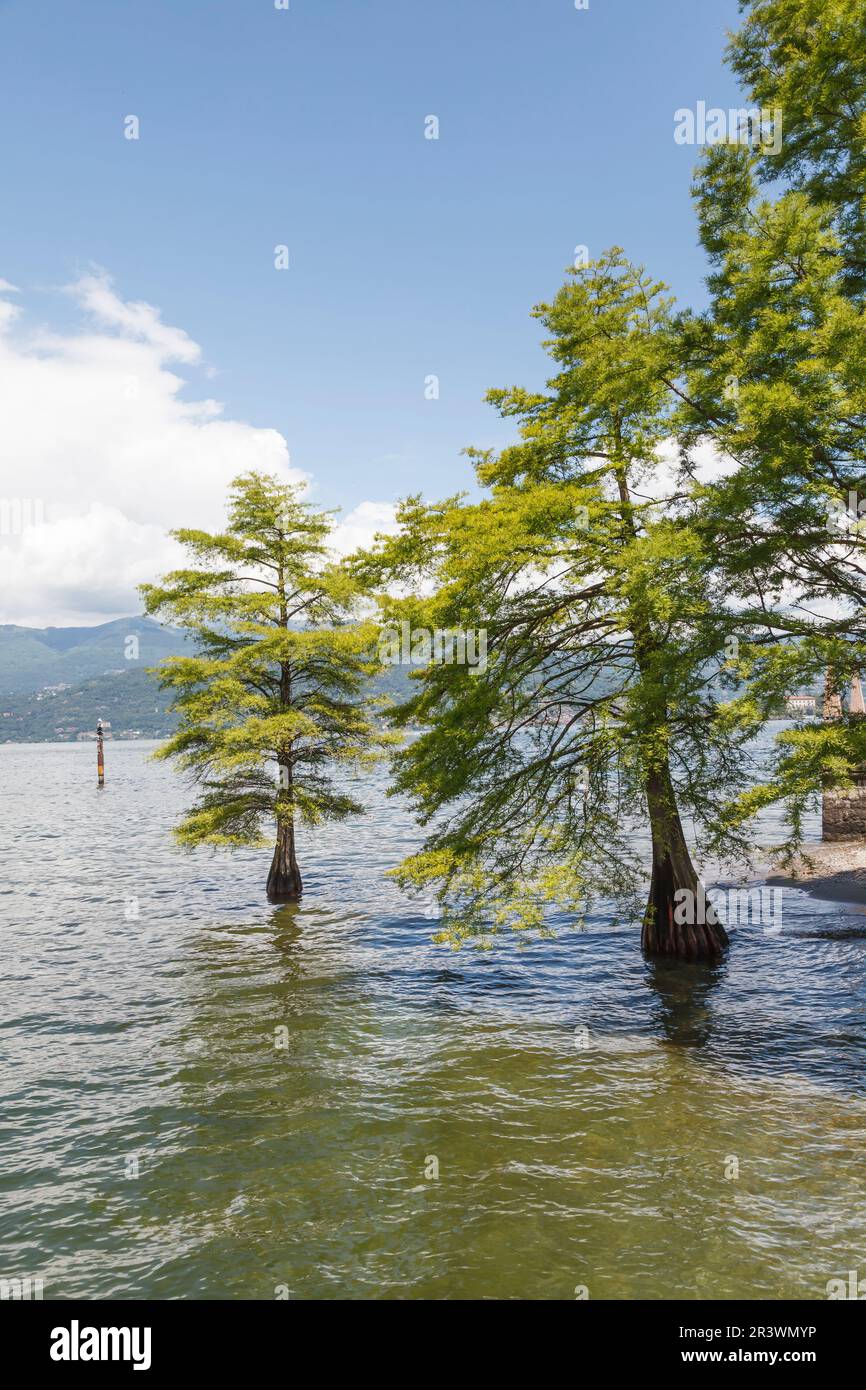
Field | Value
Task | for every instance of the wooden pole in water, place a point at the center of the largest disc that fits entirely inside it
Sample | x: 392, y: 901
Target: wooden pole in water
x: 100, y: 755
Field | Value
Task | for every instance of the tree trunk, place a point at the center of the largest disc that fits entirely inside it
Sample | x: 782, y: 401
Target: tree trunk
x: 284, y: 879
x: 685, y: 927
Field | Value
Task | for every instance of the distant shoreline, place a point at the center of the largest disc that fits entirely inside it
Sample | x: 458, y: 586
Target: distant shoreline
x: 833, y: 871
x: 78, y: 742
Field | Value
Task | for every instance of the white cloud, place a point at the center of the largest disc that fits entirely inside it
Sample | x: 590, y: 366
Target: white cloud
x: 8, y: 312
x: 665, y: 480
x: 136, y: 320
x: 57, y: 567
x: 359, y: 526
x: 97, y: 436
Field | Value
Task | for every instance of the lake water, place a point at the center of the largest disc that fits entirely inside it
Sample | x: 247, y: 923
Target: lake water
x: 155, y: 1143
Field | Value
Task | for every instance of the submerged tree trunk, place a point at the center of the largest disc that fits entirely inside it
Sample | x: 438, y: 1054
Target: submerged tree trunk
x: 678, y: 920
x: 284, y: 879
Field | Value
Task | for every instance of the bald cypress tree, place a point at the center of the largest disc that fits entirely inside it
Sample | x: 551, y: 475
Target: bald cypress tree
x: 806, y: 60
x: 595, y: 714
x: 271, y: 703
x: 775, y: 379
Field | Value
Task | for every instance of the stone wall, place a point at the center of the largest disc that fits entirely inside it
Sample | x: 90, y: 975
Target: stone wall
x: 843, y: 814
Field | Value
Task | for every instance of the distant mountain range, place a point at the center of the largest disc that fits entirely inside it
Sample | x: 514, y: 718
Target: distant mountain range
x: 32, y: 658
x: 56, y: 682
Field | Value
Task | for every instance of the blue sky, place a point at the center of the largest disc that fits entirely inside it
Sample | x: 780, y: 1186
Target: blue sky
x: 408, y: 257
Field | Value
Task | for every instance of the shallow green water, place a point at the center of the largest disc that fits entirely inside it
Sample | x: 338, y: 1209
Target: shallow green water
x: 305, y: 1169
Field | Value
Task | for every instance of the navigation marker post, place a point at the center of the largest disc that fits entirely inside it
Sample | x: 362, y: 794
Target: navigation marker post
x: 100, y: 755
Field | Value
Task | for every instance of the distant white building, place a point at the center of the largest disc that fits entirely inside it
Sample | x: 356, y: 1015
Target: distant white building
x: 797, y: 705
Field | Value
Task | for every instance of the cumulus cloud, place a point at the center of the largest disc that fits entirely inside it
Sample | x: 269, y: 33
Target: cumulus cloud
x: 101, y: 453
x: 135, y: 320
x: 358, y: 528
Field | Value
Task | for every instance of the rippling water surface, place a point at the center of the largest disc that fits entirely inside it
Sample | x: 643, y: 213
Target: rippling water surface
x: 147, y: 1044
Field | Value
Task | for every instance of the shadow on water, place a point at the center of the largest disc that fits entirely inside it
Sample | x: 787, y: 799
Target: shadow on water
x: 683, y: 991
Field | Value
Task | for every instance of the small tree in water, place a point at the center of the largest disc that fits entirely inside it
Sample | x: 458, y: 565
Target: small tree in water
x: 269, y: 703
x: 597, y: 707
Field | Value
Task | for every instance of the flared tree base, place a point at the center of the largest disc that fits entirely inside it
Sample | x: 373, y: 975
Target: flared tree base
x: 284, y: 879
x: 679, y: 922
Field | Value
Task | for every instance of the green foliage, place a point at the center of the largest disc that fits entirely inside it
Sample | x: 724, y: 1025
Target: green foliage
x: 775, y: 376
x: 808, y: 59
x: 272, y: 699
x: 777, y: 382
x: 604, y: 631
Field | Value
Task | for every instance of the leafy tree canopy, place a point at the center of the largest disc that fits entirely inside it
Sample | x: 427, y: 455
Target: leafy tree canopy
x: 271, y: 702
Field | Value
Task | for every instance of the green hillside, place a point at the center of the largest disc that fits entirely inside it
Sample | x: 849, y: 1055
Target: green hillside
x: 32, y: 658
x: 130, y: 701
x: 56, y: 682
